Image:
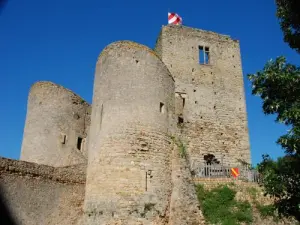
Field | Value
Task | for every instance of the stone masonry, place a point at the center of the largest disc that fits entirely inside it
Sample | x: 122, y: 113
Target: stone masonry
x: 57, y: 123
x: 129, y: 150
x: 209, y: 94
x: 118, y: 161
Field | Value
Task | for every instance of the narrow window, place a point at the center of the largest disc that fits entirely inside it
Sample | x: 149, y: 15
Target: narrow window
x: 101, y: 115
x: 79, y: 143
x: 162, y: 107
x: 201, y: 55
x: 63, y: 139
x: 180, y: 120
x: 204, y: 57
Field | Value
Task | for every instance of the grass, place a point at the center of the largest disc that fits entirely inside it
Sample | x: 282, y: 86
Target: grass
x: 182, y: 149
x: 266, y: 210
x: 220, y: 207
x: 181, y: 146
x: 252, y: 192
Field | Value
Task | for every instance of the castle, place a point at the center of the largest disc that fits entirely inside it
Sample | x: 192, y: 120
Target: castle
x: 115, y: 161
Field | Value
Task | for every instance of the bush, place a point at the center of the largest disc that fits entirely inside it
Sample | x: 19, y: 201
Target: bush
x: 220, y: 207
x: 266, y: 210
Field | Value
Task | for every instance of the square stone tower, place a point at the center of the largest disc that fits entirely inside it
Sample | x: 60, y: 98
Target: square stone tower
x: 210, y: 101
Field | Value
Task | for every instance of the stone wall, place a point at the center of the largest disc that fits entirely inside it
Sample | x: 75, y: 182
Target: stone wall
x: 184, y: 205
x: 129, y: 172
x: 37, y: 194
x: 210, y: 102
x: 56, y: 126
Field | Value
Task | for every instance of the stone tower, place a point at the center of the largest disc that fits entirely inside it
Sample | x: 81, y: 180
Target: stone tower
x: 129, y: 171
x: 56, y: 126
x: 156, y: 114
x: 210, y: 102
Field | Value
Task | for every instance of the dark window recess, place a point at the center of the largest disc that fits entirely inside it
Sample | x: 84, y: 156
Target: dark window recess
x: 162, y: 107
x: 183, y: 102
x: 101, y: 115
x: 180, y: 120
x: 204, y: 56
x: 79, y: 143
x: 64, y: 138
x: 210, y: 159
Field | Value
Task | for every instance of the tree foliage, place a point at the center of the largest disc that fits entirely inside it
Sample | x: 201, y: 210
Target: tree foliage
x: 288, y: 12
x: 278, y: 85
x: 281, y: 179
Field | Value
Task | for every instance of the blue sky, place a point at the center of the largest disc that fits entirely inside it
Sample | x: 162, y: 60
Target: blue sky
x: 59, y: 41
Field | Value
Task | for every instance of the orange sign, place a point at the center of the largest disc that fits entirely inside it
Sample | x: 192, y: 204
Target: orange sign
x: 235, y: 172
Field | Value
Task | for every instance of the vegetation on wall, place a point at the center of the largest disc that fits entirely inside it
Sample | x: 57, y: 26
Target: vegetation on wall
x: 181, y: 146
x: 220, y: 207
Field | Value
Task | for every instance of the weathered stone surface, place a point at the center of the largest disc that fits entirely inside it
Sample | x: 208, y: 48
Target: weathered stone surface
x: 214, y: 110
x: 141, y: 98
x: 56, y: 118
x: 37, y: 194
x: 184, y: 205
x: 129, y: 172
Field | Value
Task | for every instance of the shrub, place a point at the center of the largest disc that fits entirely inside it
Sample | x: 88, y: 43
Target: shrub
x: 266, y: 210
x: 220, y: 207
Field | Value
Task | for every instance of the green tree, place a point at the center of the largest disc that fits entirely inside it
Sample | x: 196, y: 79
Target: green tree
x: 281, y: 179
x: 288, y: 12
x: 278, y: 85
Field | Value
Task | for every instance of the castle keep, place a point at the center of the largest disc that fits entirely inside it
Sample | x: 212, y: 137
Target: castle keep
x: 116, y: 161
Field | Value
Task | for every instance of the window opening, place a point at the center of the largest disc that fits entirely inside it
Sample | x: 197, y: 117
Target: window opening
x: 180, y: 120
x: 162, y: 107
x: 101, y: 115
x: 79, y: 143
x: 204, y: 56
x: 210, y: 159
x: 64, y: 139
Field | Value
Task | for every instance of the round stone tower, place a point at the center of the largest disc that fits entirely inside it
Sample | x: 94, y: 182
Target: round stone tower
x: 56, y: 126
x: 129, y: 174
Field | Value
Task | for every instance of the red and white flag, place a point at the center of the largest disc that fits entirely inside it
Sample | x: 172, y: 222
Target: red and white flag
x: 174, y: 18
